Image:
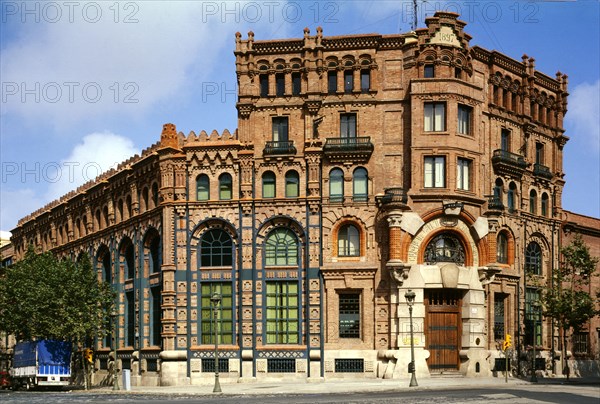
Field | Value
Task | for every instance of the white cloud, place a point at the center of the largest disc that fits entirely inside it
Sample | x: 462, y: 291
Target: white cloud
x: 97, y: 153
x: 17, y: 204
x: 583, y: 116
x: 65, y: 72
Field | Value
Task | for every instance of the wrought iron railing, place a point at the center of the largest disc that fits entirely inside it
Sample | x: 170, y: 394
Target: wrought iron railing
x: 345, y: 144
x: 509, y: 158
x: 495, y: 202
x: 280, y: 147
x: 542, y: 171
x: 281, y: 365
x: 395, y: 195
x: 349, y: 365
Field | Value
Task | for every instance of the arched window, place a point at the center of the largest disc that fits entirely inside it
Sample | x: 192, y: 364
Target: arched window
x: 154, y: 255
x: 105, y: 222
x: 498, y: 191
x: 533, y: 258
x: 359, y: 184
x: 202, y: 188
x: 268, y: 185
x: 145, y: 199
x: 533, y: 202
x: 348, y: 80
x: 336, y: 185
x: 155, y: 194
x: 511, y: 196
x: 281, y: 248
x: 545, y: 204
x: 120, y: 211
x: 216, y: 249
x: 292, y: 184
x: 128, y: 258
x: 225, y: 186
x: 129, y: 207
x: 445, y: 247
x: 348, y: 241
x: 502, y: 248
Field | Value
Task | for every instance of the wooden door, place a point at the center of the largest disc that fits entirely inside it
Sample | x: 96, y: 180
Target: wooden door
x: 442, y: 329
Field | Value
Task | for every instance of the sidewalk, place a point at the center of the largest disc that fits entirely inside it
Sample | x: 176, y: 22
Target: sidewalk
x: 345, y: 386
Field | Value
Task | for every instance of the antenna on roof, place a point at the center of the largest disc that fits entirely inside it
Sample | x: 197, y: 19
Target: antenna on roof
x: 414, y: 24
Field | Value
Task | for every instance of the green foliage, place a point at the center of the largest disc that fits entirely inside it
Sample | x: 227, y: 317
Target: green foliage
x: 564, y: 300
x: 42, y: 297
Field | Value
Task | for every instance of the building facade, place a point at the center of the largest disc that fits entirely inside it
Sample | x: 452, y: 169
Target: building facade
x: 362, y: 167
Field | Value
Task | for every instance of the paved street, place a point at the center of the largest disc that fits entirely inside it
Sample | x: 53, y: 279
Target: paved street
x: 430, y: 392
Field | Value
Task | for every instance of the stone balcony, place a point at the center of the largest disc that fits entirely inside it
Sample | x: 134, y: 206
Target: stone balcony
x: 507, y: 163
x: 343, y: 149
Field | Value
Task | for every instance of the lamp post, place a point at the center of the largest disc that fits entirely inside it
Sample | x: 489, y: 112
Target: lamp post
x: 534, y: 307
x: 114, y: 316
x: 410, y: 300
x: 215, y: 300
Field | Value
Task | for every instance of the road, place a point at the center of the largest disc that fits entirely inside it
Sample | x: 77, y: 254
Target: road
x: 579, y: 394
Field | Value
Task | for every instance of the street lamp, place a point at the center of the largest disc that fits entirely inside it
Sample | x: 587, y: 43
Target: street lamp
x: 215, y: 300
x: 410, y: 300
x: 534, y: 307
x: 114, y: 316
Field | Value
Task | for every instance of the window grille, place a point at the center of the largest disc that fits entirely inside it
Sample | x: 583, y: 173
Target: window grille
x: 208, y: 365
x: 349, y: 365
x: 278, y: 365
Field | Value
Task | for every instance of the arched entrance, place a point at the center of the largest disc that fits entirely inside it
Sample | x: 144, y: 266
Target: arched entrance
x: 443, y: 329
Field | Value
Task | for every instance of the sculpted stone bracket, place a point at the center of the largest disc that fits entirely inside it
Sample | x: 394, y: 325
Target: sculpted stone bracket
x: 399, y: 270
x: 488, y: 274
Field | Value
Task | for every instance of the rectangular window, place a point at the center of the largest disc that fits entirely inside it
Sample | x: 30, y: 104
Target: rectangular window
x: 580, y: 343
x: 280, y: 129
x: 349, y: 315
x: 130, y: 318
x: 208, y: 365
x: 348, y: 81
x: 156, y: 316
x: 282, y: 313
x: 332, y: 81
x: 539, y: 153
x: 348, y: 125
x: 224, y: 313
x: 365, y: 80
x: 533, y: 317
x: 435, y: 117
x: 465, y: 116
x: 435, y: 175
x: 280, y: 84
x: 296, y: 84
x: 264, y: 85
x: 505, y: 140
x: 428, y: 71
x: 499, y: 319
x: 463, y: 174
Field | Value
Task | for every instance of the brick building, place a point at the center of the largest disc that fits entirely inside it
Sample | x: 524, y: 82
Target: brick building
x: 362, y: 167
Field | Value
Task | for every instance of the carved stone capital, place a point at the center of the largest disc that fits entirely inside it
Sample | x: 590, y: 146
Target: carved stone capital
x: 488, y: 274
x: 394, y: 220
x: 399, y: 270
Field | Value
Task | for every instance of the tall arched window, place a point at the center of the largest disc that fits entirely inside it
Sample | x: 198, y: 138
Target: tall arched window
x: 155, y: 195
x: 533, y: 259
x: 348, y: 241
x: 292, y: 184
x: 216, y: 249
x: 268, y: 185
x: 145, y: 199
x: 281, y: 248
x: 202, y: 188
x: 336, y: 185
x: 512, y: 194
x: 225, y: 186
x: 545, y: 204
x: 445, y: 247
x: 533, y: 202
x: 502, y: 248
x: 128, y: 258
x: 359, y: 184
x: 498, y: 191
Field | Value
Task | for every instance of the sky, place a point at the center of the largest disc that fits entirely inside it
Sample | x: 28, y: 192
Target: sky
x: 87, y: 84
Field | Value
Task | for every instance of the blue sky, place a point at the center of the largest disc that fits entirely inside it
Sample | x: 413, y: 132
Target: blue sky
x: 87, y: 84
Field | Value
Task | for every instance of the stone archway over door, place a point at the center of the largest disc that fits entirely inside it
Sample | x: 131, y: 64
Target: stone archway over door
x: 443, y: 329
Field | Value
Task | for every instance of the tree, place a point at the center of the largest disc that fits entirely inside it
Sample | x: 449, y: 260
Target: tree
x: 564, y: 299
x: 44, y: 298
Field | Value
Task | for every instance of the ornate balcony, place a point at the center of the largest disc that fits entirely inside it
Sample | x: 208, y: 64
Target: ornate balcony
x: 542, y: 171
x: 342, y: 149
x: 495, y: 203
x: 279, y: 148
x: 393, y: 197
x: 508, y: 163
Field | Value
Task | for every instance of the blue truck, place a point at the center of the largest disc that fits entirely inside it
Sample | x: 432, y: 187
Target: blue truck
x: 43, y: 363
